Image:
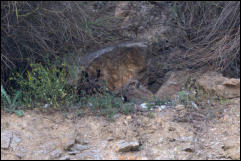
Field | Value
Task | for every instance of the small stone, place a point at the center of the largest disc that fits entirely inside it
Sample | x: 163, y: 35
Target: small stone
x: 20, y: 152
x: 159, y: 109
x: 79, y: 147
x: 194, y: 105
x: 73, y: 152
x: 143, y: 105
x: 124, y: 146
x: 24, y: 125
x: 171, y: 129
x: 225, y: 147
x: 171, y: 139
x: 128, y: 117
x: 110, y: 139
x: 179, y: 107
x: 189, y: 149
x: 156, y: 19
x: 66, y: 157
x: 90, y: 155
x: 163, y: 107
x: 15, y: 141
x: 160, y: 140
x: 125, y: 122
x: 6, y: 138
x: 185, y: 139
x: 141, y: 29
x: 69, y: 141
x: 55, y: 154
x: 20, y: 155
x: 81, y: 140
x: 48, y: 147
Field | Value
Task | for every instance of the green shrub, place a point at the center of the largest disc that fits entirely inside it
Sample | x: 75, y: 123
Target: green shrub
x: 127, y: 108
x: 155, y: 101
x: 9, y: 103
x: 108, y: 104
x: 195, y: 98
x: 31, y: 29
x: 183, y: 97
x: 105, y: 101
x: 44, y: 85
x: 5, y: 98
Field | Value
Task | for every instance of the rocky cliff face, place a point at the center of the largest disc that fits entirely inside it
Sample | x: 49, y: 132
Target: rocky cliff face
x: 117, y: 65
x: 145, y: 23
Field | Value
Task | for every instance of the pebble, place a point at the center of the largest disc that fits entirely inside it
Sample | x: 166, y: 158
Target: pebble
x: 194, y: 105
x: 90, y: 155
x: 124, y: 146
x: 20, y: 152
x: 162, y: 107
x: 15, y: 141
x: 189, y: 149
x: 143, y: 105
x: 66, y: 157
x: 6, y: 137
x: 79, y: 147
x: 81, y: 140
x: 179, y: 107
x: 128, y: 117
x: 69, y: 141
x: 55, y: 154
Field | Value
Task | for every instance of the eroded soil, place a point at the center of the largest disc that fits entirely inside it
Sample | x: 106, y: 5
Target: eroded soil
x: 166, y: 134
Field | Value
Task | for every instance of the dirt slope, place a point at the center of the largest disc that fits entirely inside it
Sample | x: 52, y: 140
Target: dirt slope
x: 162, y: 136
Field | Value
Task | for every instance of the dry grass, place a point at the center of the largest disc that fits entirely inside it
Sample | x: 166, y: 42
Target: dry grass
x: 211, y: 35
x: 32, y: 31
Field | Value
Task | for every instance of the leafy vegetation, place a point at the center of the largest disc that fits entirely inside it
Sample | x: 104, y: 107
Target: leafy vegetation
x: 108, y: 104
x: 44, y: 85
x: 9, y: 103
x: 67, y: 27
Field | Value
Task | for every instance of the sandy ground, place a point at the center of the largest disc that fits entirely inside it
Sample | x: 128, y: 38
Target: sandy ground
x: 168, y: 134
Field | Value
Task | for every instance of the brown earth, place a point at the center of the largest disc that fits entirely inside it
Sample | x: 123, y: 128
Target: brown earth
x: 163, y: 136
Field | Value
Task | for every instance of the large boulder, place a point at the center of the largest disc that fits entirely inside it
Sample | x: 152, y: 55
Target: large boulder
x: 215, y: 84
x: 117, y: 64
x: 175, y: 80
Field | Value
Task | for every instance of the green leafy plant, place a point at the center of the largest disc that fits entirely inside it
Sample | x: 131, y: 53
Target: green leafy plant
x: 164, y: 101
x: 127, y: 108
x: 11, y: 103
x: 79, y: 113
x: 108, y: 104
x: 104, y: 101
x: 19, y: 113
x: 5, y: 97
x: 150, y: 114
x: 44, y: 85
x: 183, y: 97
